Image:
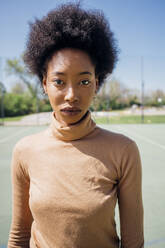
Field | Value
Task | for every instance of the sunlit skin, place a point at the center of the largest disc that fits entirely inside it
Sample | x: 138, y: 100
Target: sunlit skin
x: 71, y: 83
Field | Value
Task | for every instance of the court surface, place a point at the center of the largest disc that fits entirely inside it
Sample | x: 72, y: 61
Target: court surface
x: 151, y: 142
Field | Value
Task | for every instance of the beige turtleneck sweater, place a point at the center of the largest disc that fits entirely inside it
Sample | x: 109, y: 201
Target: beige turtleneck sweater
x: 65, y: 184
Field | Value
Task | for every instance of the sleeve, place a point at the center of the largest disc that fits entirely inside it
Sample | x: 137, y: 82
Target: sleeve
x: 130, y: 199
x: 20, y: 228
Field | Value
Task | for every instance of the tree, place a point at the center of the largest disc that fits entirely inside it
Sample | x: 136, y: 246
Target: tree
x: 118, y: 94
x: 16, y: 67
x: 18, y: 104
x: 18, y: 88
x: 156, y: 98
x: 2, y: 94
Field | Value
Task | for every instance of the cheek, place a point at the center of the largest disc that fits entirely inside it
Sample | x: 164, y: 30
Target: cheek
x: 55, y: 97
x: 88, y: 96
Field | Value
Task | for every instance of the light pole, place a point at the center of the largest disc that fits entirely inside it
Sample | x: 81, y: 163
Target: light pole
x: 2, y: 92
x: 142, y: 91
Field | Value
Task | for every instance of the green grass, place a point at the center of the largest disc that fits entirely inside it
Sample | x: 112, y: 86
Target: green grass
x: 130, y: 119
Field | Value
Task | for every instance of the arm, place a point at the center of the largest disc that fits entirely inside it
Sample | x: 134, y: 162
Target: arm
x: 130, y: 199
x: 20, y: 229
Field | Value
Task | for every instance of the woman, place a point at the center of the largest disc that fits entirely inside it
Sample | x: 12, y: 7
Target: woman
x: 67, y: 179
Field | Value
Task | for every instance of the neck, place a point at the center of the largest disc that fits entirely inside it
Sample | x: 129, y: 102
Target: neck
x: 74, y: 131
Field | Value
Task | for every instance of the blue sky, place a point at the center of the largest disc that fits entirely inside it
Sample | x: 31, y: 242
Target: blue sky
x: 138, y: 26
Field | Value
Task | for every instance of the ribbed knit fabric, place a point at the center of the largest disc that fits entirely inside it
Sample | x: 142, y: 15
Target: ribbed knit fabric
x: 65, y: 185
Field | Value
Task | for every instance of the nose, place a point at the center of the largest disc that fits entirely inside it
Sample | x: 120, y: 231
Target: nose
x: 71, y: 95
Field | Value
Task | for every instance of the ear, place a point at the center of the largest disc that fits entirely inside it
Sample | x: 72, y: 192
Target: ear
x: 44, y: 84
x: 97, y: 85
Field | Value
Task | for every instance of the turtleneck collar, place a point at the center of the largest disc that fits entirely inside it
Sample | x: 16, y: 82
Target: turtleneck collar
x: 72, y: 132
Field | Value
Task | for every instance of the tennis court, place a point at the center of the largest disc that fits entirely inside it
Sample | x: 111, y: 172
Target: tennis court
x: 151, y: 142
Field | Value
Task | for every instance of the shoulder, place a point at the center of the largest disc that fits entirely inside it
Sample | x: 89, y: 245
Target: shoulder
x: 120, y: 145
x: 113, y: 138
x: 27, y: 143
x: 121, y: 151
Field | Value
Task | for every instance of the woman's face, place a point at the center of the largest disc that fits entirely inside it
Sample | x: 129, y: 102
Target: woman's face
x: 70, y: 84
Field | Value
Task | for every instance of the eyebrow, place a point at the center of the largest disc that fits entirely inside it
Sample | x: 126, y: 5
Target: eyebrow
x: 85, y: 72
x: 62, y: 73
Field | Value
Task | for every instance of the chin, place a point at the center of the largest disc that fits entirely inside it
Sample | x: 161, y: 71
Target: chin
x: 74, y: 119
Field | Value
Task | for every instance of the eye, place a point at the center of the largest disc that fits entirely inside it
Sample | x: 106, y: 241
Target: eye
x: 58, y: 82
x: 85, y: 82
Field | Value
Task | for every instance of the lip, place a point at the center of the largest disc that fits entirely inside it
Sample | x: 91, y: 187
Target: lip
x: 70, y: 111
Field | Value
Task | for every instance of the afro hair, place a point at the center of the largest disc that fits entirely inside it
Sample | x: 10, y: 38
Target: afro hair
x: 71, y: 26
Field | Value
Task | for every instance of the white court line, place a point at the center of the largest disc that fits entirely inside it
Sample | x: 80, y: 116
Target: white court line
x: 143, y: 138
x: 11, y: 136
